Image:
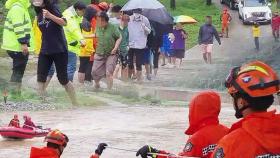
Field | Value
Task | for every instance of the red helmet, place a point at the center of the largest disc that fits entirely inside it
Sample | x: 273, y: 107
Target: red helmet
x: 57, y: 137
x: 256, y: 79
x: 103, y: 6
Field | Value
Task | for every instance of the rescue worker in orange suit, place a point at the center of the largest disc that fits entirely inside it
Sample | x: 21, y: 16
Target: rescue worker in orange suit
x: 28, y: 123
x: 56, y: 143
x: 14, y: 122
x: 225, y: 19
x: 257, y: 135
x: 204, y: 128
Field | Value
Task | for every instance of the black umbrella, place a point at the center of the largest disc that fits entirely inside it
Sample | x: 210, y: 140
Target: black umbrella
x: 160, y: 15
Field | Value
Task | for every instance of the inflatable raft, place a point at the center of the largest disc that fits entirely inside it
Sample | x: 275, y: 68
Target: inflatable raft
x: 22, y: 133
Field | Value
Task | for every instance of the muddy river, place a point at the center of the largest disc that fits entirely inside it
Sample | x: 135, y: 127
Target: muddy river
x: 127, y: 127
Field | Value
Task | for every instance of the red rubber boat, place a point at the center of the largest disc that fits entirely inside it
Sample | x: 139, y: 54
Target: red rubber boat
x: 21, y: 133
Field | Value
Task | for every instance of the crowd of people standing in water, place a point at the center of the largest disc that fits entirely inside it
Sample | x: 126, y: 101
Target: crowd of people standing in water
x: 109, y: 43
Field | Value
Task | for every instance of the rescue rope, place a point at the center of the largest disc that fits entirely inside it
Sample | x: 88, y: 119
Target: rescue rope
x: 157, y: 154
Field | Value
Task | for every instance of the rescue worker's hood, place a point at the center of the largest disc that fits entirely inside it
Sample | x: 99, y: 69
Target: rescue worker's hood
x: 10, y: 3
x: 43, y: 153
x: 265, y: 129
x: 204, y: 110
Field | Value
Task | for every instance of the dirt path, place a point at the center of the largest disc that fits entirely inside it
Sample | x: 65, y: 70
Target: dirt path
x: 233, y: 51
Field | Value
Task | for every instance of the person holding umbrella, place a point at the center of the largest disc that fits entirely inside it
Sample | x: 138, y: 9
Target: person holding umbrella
x: 207, y: 32
x: 139, y: 28
x: 178, y: 46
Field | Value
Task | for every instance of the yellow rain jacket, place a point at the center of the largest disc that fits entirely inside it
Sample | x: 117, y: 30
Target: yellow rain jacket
x: 256, y: 31
x: 18, y: 26
x: 72, y: 30
x: 88, y: 50
x: 37, y: 37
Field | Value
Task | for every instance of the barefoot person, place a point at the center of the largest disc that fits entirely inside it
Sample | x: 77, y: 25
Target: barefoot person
x: 106, y: 56
x: 207, y: 32
x: 18, y: 40
x: 54, y: 48
x: 74, y: 37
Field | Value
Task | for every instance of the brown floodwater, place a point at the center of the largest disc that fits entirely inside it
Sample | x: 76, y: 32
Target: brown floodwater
x: 128, y: 127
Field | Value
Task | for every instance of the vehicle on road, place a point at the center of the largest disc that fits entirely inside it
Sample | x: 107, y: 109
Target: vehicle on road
x: 232, y: 4
x: 251, y: 11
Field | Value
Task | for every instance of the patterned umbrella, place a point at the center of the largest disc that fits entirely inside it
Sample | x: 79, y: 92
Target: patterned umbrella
x: 184, y: 19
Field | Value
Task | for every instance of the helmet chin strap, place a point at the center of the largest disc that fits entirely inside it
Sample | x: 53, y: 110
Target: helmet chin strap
x: 238, y: 112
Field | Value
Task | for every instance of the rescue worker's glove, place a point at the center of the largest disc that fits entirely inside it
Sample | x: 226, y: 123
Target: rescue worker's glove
x: 146, y: 151
x: 100, y: 148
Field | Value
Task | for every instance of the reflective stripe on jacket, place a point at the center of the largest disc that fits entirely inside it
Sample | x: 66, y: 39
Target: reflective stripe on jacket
x: 17, y: 27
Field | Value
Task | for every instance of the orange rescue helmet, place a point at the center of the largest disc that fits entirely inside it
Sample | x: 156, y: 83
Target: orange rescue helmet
x: 57, y: 137
x: 256, y: 79
x: 103, y: 6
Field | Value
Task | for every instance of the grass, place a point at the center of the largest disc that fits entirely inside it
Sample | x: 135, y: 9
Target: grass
x: 194, y: 8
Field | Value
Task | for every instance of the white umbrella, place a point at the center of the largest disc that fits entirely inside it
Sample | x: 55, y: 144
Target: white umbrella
x: 142, y: 4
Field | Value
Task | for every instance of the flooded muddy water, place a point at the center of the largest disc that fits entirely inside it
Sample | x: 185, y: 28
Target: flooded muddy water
x: 128, y: 127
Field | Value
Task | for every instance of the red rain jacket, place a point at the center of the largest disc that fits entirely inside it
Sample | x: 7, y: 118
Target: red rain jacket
x: 44, y: 152
x: 204, y: 126
x: 257, y: 135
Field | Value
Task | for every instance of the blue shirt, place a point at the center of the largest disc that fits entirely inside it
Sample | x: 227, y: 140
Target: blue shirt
x: 53, y: 38
x: 207, y: 33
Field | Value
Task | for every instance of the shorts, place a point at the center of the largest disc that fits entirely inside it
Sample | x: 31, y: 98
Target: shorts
x: 19, y: 65
x: 147, y: 57
x: 45, y: 62
x: 86, y: 67
x: 123, y: 60
x: 85, y: 64
x: 207, y: 48
x: 178, y: 53
x: 71, y: 66
x: 165, y: 51
x: 103, y: 66
x: 139, y: 55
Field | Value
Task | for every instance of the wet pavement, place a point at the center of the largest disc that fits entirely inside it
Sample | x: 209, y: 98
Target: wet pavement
x: 128, y: 127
